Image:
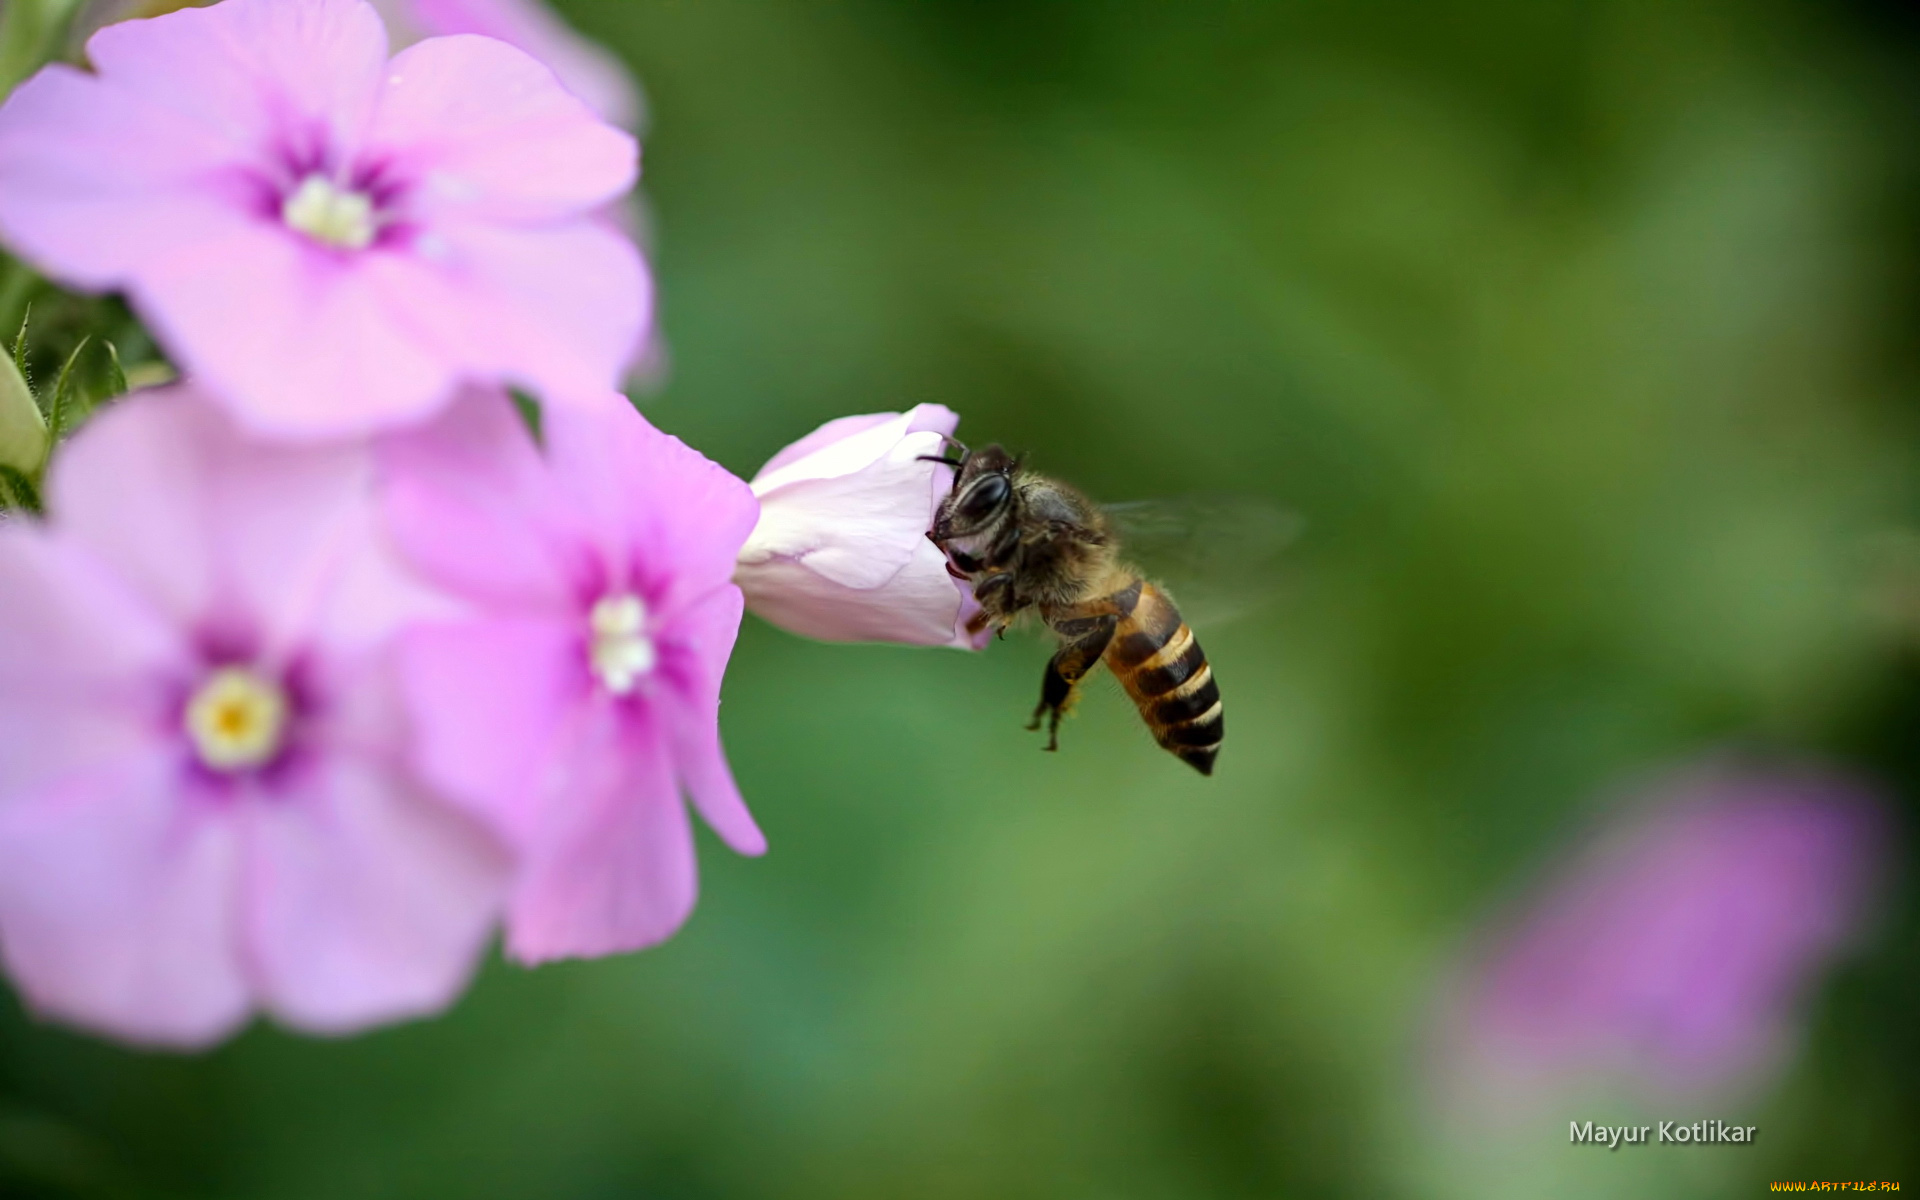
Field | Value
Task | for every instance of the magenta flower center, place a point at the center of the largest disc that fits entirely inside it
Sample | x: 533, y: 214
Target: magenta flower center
x: 236, y: 720
x: 330, y: 214
x: 620, y: 649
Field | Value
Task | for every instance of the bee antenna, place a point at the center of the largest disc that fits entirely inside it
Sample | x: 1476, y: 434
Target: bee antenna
x: 944, y: 457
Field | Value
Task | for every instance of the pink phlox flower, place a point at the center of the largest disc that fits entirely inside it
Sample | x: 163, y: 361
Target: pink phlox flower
x: 841, y: 551
x: 328, y: 240
x: 1671, y: 954
x: 582, y: 697
x: 205, y: 804
x: 588, y: 70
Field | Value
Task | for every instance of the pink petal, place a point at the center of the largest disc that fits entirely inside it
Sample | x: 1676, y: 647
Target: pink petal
x: 665, y: 514
x: 859, y: 529
x: 840, y: 429
x: 248, y: 70
x: 117, y: 907
x: 129, y: 487
x: 70, y: 625
x: 94, y: 179
x: 207, y: 524
x: 467, y: 498
x: 703, y: 637
x: 560, y: 309
x: 147, y: 178
x: 490, y: 133
x: 588, y: 71
x: 82, y: 664
x: 297, y: 341
x: 919, y: 606
x: 489, y: 700
x: 858, y: 443
x: 616, y: 871
x: 100, y: 175
x: 366, y: 900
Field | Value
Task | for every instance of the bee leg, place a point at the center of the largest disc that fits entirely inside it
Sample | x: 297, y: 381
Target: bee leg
x: 1068, y: 667
x: 1056, y: 693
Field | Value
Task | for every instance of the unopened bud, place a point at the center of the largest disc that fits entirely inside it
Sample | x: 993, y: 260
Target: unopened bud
x: 23, y: 433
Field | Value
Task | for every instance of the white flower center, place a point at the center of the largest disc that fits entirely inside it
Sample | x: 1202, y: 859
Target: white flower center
x: 330, y: 214
x: 236, y: 720
x: 622, y: 652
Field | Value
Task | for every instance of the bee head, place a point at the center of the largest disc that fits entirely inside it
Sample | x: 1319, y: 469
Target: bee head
x: 981, y: 500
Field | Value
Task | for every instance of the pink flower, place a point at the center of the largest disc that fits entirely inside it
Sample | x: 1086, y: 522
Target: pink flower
x: 327, y: 240
x: 1671, y: 953
x: 587, y: 70
x: 841, y: 550
x: 204, y: 805
x: 583, y: 697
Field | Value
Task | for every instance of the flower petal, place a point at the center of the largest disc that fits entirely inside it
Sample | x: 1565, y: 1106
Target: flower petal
x: 149, y: 159
x: 208, y: 524
x: 82, y: 664
x: 367, y: 901
x: 1673, y: 951
x: 298, y: 341
x: 664, y: 515
x: 69, y: 622
x: 588, y: 71
x: 117, y: 907
x: 489, y: 700
x: 617, y: 870
x: 858, y: 530
x: 251, y: 70
x: 94, y: 181
x: 131, y: 488
x: 561, y: 309
x: 703, y: 640
x: 489, y: 131
x: 921, y: 605
x: 834, y: 432
x: 468, y: 500
x: 852, y: 444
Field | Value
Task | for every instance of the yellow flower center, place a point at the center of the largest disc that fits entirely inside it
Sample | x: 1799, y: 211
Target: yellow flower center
x: 330, y: 214
x: 236, y: 720
x: 621, y: 652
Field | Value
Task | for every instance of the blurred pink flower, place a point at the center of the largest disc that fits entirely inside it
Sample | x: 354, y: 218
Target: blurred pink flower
x: 327, y: 240
x: 841, y: 551
x: 1672, y: 952
x: 589, y: 71
x: 584, y: 696
x: 204, y: 807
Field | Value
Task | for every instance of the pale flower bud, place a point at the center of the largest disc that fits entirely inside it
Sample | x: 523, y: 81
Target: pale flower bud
x: 841, y: 550
x: 23, y: 434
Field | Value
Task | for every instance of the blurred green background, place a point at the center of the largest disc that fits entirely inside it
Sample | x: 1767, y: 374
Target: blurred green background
x: 1582, y: 334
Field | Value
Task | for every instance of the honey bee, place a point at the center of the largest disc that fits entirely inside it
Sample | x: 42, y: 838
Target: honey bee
x: 1025, y: 541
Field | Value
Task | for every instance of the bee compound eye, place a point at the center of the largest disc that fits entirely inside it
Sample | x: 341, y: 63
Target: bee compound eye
x: 984, y: 498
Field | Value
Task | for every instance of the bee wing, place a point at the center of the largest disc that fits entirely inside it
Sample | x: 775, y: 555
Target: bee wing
x: 1219, y: 556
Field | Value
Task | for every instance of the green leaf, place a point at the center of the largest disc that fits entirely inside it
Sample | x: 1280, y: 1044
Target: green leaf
x: 116, y: 376
x: 529, y: 410
x: 62, y: 388
x: 20, y: 490
x: 19, y: 286
x: 29, y: 35
x: 20, y: 348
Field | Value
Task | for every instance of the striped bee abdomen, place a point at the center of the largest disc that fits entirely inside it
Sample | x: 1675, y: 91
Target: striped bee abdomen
x: 1157, y: 659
